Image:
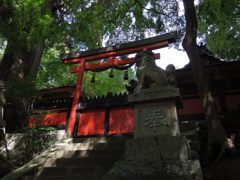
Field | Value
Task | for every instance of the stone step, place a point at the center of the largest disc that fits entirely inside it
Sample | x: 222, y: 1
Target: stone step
x: 71, y: 177
x: 90, y: 153
x: 93, y: 146
x: 66, y: 171
x: 83, y: 158
x: 84, y: 154
x: 88, y: 161
x: 114, y: 139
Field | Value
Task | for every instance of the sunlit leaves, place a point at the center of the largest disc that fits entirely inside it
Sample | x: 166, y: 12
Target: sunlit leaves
x: 28, y: 23
x: 87, y: 23
x: 219, y: 24
x: 104, y: 84
x: 52, y: 72
x: 137, y: 19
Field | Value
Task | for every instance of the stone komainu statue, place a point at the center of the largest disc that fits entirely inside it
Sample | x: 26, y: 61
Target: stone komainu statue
x: 150, y: 75
x: 2, y: 99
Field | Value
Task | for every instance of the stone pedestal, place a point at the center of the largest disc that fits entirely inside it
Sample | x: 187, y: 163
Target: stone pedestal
x: 155, y: 112
x: 162, y: 148
x: 157, y: 150
x: 164, y: 157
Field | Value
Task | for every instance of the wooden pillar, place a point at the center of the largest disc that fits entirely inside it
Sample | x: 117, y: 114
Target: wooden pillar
x: 77, y: 95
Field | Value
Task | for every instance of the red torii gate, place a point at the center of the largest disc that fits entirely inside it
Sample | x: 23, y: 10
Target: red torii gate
x: 82, y: 58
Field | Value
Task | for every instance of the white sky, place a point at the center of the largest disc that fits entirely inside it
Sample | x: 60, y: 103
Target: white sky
x: 171, y: 56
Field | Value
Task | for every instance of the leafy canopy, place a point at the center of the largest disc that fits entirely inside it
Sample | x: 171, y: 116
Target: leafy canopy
x: 87, y: 24
x: 24, y: 22
x: 219, y: 23
x: 81, y: 25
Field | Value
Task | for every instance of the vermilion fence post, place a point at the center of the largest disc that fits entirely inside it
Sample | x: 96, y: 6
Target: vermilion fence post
x: 77, y: 95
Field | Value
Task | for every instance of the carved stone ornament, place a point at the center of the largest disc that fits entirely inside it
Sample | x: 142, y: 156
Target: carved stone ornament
x: 150, y: 75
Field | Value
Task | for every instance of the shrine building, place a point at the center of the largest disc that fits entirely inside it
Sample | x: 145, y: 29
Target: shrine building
x: 112, y: 115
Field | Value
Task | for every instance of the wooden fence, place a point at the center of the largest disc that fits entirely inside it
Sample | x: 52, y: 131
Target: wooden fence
x: 113, y: 115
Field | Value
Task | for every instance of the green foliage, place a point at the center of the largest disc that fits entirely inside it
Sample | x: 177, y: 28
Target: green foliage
x: 76, y: 26
x: 20, y: 89
x: 52, y: 72
x: 3, y: 45
x: 36, y: 138
x: 104, y: 84
x: 219, y: 24
x: 20, y: 94
x: 134, y: 20
x: 34, y: 141
x: 83, y: 25
x: 24, y: 22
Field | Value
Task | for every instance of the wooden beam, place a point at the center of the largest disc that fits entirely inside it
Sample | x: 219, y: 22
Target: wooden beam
x: 117, y: 53
x: 169, y: 37
x: 109, y: 63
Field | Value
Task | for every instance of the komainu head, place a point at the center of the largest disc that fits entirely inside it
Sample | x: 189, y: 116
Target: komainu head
x: 150, y: 75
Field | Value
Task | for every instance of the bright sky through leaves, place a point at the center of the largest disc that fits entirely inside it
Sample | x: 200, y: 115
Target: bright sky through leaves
x: 171, y: 56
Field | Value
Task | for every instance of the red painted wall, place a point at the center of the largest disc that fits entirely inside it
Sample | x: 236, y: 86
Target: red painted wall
x: 233, y: 102
x: 121, y: 120
x: 194, y: 106
x: 43, y: 118
x: 91, y: 122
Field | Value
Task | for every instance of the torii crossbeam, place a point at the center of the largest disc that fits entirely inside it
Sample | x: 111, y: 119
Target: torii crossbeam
x: 112, y: 52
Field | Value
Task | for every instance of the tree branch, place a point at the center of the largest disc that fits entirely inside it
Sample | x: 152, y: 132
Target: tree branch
x: 153, y: 10
x: 191, y: 24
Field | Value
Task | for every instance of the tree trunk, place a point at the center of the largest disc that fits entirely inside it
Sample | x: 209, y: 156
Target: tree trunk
x: 25, y: 65
x: 216, y: 132
x: 15, y: 70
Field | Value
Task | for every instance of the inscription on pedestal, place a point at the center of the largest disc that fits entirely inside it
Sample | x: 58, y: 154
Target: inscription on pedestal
x: 154, y: 119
